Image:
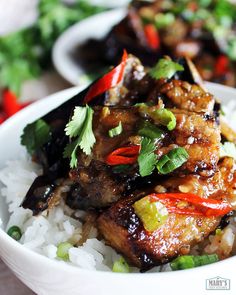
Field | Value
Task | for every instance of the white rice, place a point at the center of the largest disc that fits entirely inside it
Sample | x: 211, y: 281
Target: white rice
x: 43, y: 233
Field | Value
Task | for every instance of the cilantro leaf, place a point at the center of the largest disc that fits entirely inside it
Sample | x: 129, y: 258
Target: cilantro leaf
x: 165, y: 69
x: 116, y: 131
x: 35, y: 135
x: 147, y: 159
x: 74, y: 127
x: 87, y: 138
x: 80, y: 128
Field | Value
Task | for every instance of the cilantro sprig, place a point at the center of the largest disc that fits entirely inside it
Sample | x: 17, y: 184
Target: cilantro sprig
x: 165, y: 69
x: 35, y: 135
x: 80, y: 131
x: 147, y: 159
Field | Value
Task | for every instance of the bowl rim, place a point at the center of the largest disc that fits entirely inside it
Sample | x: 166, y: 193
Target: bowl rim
x: 11, y: 243
x: 64, y: 65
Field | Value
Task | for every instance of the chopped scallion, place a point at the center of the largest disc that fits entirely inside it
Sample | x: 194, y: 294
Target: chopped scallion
x: 173, y: 160
x: 152, y: 214
x: 15, y: 232
x: 63, y: 250
x: 120, y: 266
x: 160, y: 116
x: 116, y: 131
x: 190, y: 261
x: 165, y: 117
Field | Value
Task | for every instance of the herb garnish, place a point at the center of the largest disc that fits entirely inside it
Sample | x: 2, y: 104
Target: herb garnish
x: 80, y: 128
x: 165, y: 69
x: 116, y: 131
x: 35, y: 135
x: 147, y: 159
x: 161, y: 116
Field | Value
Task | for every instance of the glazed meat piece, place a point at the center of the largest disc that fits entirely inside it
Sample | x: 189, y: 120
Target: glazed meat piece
x: 123, y: 230
x: 179, y: 232
x: 200, y: 135
x: 187, y: 96
x: 134, y: 86
x: 197, y: 133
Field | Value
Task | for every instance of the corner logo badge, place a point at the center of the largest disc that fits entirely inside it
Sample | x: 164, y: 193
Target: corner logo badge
x: 217, y: 283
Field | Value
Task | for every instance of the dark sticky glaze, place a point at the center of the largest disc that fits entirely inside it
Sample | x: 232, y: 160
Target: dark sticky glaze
x: 51, y: 154
x: 196, y: 130
x: 199, y: 135
x: 124, y: 231
x: 180, y: 232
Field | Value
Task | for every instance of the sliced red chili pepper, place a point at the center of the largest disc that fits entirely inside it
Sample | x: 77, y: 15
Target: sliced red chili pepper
x: 202, y: 206
x: 152, y: 36
x: 221, y: 65
x: 9, y: 103
x: 108, y: 81
x: 124, y: 155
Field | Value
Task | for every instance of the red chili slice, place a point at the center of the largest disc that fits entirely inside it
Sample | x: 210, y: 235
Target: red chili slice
x: 9, y: 103
x: 124, y: 155
x: 221, y: 65
x: 202, y: 206
x: 108, y: 81
x: 152, y: 36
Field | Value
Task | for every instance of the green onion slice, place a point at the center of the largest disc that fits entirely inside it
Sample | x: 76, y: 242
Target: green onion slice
x: 151, y: 131
x: 160, y: 116
x: 63, y: 250
x: 120, y: 266
x: 116, y: 131
x: 191, y: 261
x: 152, y: 214
x: 173, y: 160
x: 15, y: 232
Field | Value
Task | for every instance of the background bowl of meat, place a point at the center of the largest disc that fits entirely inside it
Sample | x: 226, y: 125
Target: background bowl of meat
x: 45, y: 276
x: 202, y: 31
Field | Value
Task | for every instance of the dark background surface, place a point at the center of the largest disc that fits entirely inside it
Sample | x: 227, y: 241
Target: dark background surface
x: 9, y: 284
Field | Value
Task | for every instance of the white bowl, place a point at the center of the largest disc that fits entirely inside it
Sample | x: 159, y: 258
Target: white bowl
x: 97, y: 27
x: 48, y: 277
